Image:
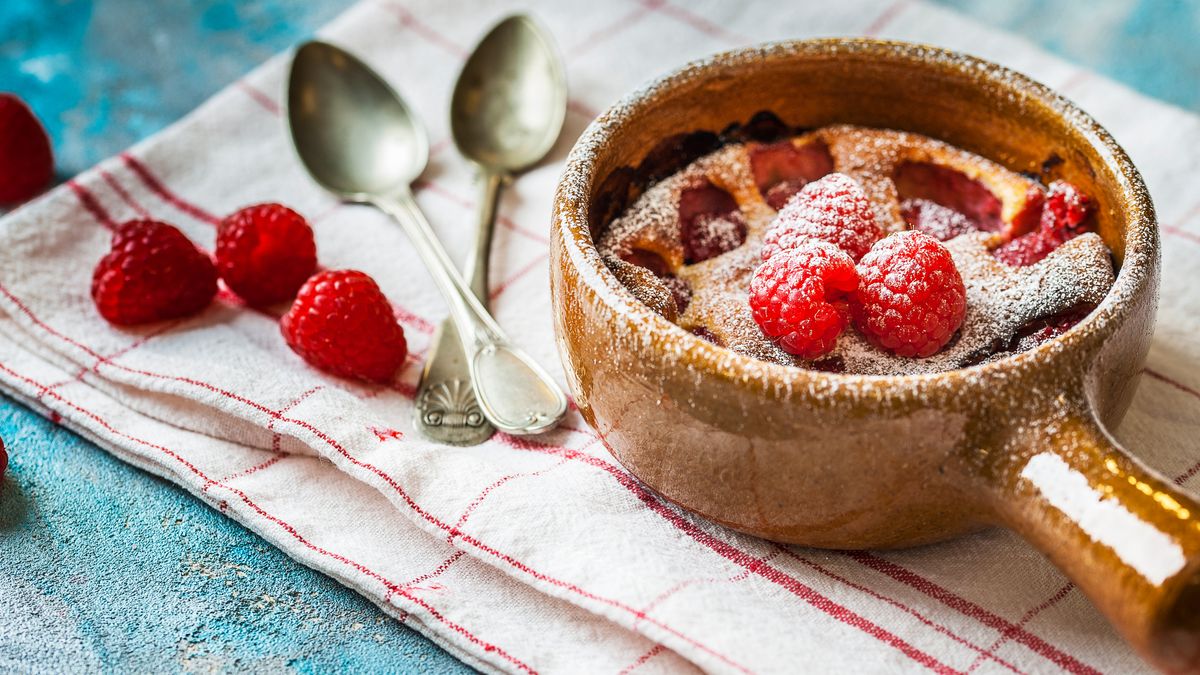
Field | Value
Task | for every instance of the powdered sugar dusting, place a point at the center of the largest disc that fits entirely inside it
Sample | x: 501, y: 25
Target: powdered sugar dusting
x: 833, y: 209
x: 652, y: 223
x: 1000, y: 299
x: 935, y: 220
x: 872, y: 156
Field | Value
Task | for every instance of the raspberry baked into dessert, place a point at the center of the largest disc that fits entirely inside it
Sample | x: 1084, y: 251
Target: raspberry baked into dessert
x: 859, y: 250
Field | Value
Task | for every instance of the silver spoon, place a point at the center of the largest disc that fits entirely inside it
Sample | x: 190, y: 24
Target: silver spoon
x: 506, y: 113
x: 359, y: 140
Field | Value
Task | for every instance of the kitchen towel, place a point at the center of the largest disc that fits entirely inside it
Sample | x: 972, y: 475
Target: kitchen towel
x: 541, y: 554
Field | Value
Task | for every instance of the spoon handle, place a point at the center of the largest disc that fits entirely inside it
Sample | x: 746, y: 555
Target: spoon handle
x: 447, y: 409
x: 515, y: 394
x: 477, y: 262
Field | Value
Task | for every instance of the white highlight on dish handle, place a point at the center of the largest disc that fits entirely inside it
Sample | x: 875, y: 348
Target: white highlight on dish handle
x: 1144, y: 547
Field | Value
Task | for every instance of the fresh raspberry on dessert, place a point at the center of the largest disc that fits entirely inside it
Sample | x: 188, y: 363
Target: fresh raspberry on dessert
x: 798, y: 298
x: 152, y: 273
x: 26, y: 161
x: 666, y: 215
x: 711, y: 223
x: 833, y: 209
x: 342, y: 323
x: 911, y: 298
x: 265, y: 253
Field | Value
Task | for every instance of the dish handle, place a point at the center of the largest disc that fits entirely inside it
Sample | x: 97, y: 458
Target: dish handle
x: 1125, y: 535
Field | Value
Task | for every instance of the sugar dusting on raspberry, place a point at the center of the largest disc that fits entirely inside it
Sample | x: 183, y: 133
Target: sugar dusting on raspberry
x: 801, y: 297
x: 833, y: 209
x: 1000, y: 300
x: 910, y: 298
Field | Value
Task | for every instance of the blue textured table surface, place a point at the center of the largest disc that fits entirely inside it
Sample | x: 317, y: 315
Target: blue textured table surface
x: 107, y: 568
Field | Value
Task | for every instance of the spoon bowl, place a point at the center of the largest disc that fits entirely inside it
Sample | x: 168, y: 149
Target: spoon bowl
x: 354, y: 134
x: 506, y: 113
x: 359, y: 140
x: 511, y: 98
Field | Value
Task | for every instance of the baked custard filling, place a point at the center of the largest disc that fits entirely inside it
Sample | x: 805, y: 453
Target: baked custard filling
x: 860, y: 250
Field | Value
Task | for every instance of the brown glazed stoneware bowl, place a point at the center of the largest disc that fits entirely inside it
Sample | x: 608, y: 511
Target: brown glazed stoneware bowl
x: 844, y: 461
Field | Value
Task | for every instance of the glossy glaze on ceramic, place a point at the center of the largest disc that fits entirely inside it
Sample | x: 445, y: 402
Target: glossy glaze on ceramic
x: 860, y: 462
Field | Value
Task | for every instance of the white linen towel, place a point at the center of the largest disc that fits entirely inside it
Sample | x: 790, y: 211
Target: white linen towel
x: 541, y: 554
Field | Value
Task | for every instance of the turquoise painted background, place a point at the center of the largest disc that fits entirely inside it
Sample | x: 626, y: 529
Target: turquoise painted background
x: 103, y: 567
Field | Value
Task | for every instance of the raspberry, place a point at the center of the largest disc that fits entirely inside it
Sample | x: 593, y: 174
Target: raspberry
x: 26, y: 162
x: 798, y: 297
x: 152, y: 273
x: 1065, y: 211
x: 910, y: 298
x: 1064, y: 216
x: 833, y: 209
x: 342, y: 324
x: 265, y: 253
x: 711, y: 223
